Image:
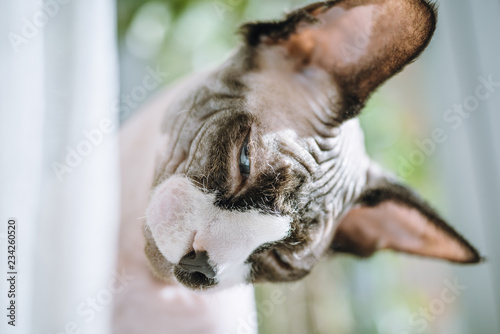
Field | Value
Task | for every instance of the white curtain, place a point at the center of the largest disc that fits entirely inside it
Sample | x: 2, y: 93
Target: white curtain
x: 59, y: 162
x: 467, y: 54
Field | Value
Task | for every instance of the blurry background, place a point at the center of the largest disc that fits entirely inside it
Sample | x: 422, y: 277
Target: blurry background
x: 460, y: 175
x: 62, y: 81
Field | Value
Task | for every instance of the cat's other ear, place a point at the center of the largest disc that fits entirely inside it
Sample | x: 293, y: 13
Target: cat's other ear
x: 358, y: 43
x: 391, y: 216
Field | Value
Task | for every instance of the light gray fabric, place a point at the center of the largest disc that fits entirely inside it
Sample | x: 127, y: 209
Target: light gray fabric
x: 464, y: 49
x: 57, y: 83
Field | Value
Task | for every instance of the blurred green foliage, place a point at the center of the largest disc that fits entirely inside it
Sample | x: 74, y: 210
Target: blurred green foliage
x: 191, y: 35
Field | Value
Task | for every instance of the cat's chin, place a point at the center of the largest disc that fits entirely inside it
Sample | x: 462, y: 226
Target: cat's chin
x: 194, y: 281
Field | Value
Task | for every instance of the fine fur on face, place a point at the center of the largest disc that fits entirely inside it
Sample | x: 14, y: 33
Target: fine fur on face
x: 263, y: 168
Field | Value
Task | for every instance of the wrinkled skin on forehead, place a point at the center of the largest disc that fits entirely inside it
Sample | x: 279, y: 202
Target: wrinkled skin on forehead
x: 291, y: 95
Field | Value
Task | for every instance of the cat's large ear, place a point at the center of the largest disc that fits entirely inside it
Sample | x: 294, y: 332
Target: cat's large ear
x: 359, y: 43
x: 391, y: 216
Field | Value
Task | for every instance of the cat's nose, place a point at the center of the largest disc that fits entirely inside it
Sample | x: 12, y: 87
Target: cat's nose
x: 197, y: 261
